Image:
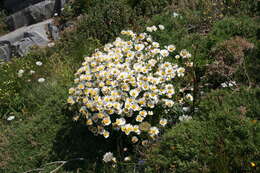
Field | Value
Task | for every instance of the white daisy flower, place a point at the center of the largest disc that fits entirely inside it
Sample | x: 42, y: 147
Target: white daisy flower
x: 10, y: 118
x: 41, y: 80
x: 161, y: 27
x: 39, y: 63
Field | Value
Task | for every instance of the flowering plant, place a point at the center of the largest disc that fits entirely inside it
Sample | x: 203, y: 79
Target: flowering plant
x: 119, y: 87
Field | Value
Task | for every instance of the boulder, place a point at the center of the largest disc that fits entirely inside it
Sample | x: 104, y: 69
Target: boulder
x: 54, y: 31
x: 16, y: 5
x: 5, y: 50
x: 18, y: 34
x: 22, y: 46
x: 30, y: 15
x: 13, y: 6
x: 21, y: 40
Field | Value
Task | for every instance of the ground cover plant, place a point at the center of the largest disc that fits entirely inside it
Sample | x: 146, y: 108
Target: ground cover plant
x: 215, y: 130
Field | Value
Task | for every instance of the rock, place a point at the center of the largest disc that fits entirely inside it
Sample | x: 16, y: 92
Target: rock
x: 20, y: 41
x: 30, y: 39
x: 30, y: 15
x: 22, y: 47
x: 18, y: 34
x: 54, y: 31
x: 24, y: 15
x: 5, y: 50
x: 37, y: 38
x: 16, y: 5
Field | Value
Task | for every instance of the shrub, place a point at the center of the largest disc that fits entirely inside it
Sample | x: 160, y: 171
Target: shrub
x: 148, y: 7
x: 249, y: 7
x: 105, y: 20
x: 229, y: 58
x: 225, y: 143
x: 239, y: 102
x: 229, y: 27
x: 119, y: 89
x: 3, y: 26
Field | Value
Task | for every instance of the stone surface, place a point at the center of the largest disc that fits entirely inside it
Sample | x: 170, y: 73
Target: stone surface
x: 16, y: 5
x: 19, y: 42
x: 54, y: 31
x: 5, y: 50
x: 30, y: 15
x: 24, y: 15
x: 22, y: 46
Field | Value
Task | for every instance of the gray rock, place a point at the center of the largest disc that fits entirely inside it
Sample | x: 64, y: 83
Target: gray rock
x: 30, y: 15
x: 30, y: 39
x: 5, y: 50
x: 37, y: 38
x: 16, y: 5
x: 18, y: 34
x: 22, y: 46
x: 54, y: 31
x: 20, y: 41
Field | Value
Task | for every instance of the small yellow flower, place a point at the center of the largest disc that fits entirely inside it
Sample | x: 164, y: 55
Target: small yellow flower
x: 105, y: 134
x: 126, y: 159
x: 139, y: 118
x: 135, y: 107
x: 134, y: 139
x: 111, y: 111
x: 70, y: 100
x: 153, y: 131
x: 81, y: 86
x: 163, y: 122
x: 72, y: 90
x: 143, y: 113
x: 120, y: 121
x: 189, y: 97
x: 139, y: 47
x: 125, y: 87
x: 164, y: 53
x: 252, y: 164
x: 185, y: 54
x: 171, y: 48
x: 100, y: 115
x: 89, y: 122
x: 145, y: 142
x: 106, y: 121
x: 181, y: 70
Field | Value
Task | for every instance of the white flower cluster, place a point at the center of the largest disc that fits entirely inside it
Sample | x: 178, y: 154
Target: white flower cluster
x: 119, y: 87
x: 21, y: 72
x: 185, y: 118
x: 229, y: 84
x: 109, y: 157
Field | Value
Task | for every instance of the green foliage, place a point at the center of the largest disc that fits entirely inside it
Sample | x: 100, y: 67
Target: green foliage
x: 3, y: 26
x: 249, y: 7
x: 40, y: 108
x: 148, y: 7
x: 105, y: 20
x: 225, y: 143
x: 244, y: 102
x: 231, y: 26
x: 252, y: 63
x: 34, y: 128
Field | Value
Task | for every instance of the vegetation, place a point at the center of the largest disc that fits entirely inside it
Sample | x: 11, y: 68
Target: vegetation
x: 223, y: 137
x: 36, y: 123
